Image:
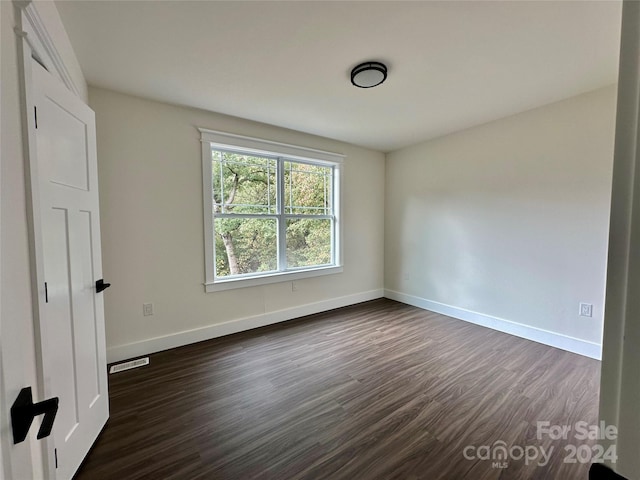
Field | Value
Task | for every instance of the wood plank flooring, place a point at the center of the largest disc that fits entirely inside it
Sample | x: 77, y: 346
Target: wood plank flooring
x: 379, y: 390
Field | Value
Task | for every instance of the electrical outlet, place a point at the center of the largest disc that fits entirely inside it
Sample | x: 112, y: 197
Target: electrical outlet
x: 294, y: 287
x: 586, y: 310
x: 147, y: 309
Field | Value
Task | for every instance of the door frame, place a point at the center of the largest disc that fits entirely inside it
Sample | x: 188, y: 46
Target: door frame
x: 4, y: 449
x: 36, y: 44
x: 620, y: 383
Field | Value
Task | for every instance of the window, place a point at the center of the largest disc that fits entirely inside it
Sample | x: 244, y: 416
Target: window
x: 271, y: 211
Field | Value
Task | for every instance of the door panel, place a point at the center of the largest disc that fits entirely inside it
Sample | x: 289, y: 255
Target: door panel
x: 59, y: 310
x: 85, y: 352
x: 75, y: 354
x: 66, y: 144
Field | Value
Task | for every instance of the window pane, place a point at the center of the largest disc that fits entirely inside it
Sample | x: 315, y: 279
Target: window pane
x: 307, y: 189
x: 243, y: 183
x: 245, y: 245
x: 308, y: 242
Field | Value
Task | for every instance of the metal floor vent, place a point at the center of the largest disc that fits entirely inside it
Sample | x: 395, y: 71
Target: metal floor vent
x: 129, y: 365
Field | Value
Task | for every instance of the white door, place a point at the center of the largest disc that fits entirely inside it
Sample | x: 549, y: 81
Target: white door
x: 73, y: 339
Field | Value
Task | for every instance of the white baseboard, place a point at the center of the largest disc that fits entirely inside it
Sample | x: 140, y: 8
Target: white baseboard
x: 563, y: 342
x: 157, y: 344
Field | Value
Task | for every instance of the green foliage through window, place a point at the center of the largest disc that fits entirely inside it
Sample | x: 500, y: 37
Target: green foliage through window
x: 257, y: 227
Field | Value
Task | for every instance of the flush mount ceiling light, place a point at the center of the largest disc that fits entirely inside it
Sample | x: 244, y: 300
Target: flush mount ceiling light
x: 369, y: 74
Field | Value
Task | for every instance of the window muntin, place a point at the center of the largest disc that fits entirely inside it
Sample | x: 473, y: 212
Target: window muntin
x: 307, y: 188
x: 243, y: 183
x: 271, y: 214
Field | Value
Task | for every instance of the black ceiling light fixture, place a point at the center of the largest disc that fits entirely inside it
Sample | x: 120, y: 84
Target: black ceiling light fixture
x: 369, y: 74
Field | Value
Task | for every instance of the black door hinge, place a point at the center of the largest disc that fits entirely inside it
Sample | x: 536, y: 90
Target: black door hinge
x: 46, y: 293
x: 35, y: 114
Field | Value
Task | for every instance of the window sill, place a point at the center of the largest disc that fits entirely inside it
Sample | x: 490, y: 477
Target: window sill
x: 277, y: 277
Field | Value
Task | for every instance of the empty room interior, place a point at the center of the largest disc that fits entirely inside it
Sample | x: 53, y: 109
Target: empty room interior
x: 319, y: 240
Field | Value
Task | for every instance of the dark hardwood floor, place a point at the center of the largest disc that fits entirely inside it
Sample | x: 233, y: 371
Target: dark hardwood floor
x: 379, y: 390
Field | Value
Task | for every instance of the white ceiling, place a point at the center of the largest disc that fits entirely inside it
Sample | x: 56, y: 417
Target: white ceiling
x: 452, y: 65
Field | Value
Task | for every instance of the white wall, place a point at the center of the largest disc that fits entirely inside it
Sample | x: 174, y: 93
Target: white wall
x: 150, y: 171
x: 507, y: 222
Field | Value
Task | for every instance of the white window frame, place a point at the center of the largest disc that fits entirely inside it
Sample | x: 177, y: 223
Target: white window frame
x: 214, y: 140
